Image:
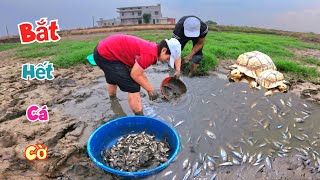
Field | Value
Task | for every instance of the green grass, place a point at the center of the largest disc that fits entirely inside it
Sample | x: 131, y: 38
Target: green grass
x: 285, y: 65
x: 4, y: 47
x: 310, y: 60
x: 218, y: 46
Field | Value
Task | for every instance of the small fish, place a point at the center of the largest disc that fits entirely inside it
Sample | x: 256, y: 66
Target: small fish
x: 185, y: 163
x: 262, y: 145
x: 256, y: 163
x: 299, y: 120
x: 202, y: 101
x: 189, y: 140
x: 211, y: 135
x: 230, y: 146
x: 305, y: 105
x: 244, y: 159
x: 197, y: 172
x: 287, y: 129
x: 305, y: 135
x: 186, y: 176
x: 214, y: 176
x: 211, y: 165
x: 179, y: 123
x: 213, y: 95
x: 298, y: 137
x: 167, y: 173
x: 205, y: 165
x: 259, y: 155
x: 174, y: 177
x: 251, y: 158
x: 199, y: 139
x: 251, y: 143
x: 282, y: 102
x: 284, y: 135
x: 266, y: 124
x: 260, y: 167
x: 226, y: 164
x: 235, y: 161
x: 195, y: 166
x: 268, y: 162
x: 223, y: 154
x: 253, y: 105
x: 211, y: 159
x: 289, y: 135
x: 279, y: 126
x: 237, y: 154
x: 259, y: 160
x: 269, y: 117
x: 207, y: 102
x: 305, y: 113
x: 274, y: 109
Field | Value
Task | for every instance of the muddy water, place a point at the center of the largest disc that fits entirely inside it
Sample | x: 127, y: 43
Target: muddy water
x: 213, y: 114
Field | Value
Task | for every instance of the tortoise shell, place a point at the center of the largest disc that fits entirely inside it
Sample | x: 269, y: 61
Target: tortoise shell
x: 254, y: 63
x: 270, y: 79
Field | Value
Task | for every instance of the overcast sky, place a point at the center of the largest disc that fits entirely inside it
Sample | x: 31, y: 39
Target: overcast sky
x: 293, y: 15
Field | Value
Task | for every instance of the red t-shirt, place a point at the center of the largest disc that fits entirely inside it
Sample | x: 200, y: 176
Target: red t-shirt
x: 129, y: 49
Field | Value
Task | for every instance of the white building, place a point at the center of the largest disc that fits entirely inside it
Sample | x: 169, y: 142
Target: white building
x: 134, y: 16
x: 109, y: 22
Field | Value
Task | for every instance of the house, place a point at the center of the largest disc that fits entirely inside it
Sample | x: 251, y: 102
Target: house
x: 134, y: 16
x: 109, y: 22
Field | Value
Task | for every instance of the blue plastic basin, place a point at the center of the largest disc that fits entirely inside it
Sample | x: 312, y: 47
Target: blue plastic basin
x: 108, y: 134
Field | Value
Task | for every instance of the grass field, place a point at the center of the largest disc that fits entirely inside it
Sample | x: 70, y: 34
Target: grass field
x: 219, y: 46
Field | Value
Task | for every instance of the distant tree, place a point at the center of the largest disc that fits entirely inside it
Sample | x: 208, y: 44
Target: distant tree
x: 146, y: 18
x: 211, y: 22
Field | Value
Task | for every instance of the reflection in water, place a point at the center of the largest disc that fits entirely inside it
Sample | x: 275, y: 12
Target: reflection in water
x: 116, y: 107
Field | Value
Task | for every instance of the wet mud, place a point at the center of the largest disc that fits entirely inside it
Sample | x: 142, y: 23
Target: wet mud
x: 213, y: 114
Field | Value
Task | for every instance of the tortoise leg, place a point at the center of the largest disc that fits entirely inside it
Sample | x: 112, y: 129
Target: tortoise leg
x: 269, y: 93
x: 253, y: 84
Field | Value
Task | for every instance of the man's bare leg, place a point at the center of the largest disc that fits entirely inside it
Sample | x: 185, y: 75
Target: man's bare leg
x: 112, y: 90
x: 135, y: 104
x: 194, y: 67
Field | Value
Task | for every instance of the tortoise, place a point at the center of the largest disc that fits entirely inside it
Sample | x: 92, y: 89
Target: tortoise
x: 273, y: 81
x: 249, y: 66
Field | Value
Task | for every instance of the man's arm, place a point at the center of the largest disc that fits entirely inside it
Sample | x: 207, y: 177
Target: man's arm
x: 196, y: 48
x: 138, y: 75
x: 177, y: 65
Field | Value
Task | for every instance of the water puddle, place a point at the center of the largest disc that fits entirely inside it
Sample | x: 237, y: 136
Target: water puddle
x: 215, y: 115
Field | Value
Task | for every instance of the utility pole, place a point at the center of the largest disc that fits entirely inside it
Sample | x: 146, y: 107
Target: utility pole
x: 92, y: 21
x: 7, y: 30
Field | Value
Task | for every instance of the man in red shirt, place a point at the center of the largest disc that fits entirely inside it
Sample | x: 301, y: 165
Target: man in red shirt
x: 123, y: 59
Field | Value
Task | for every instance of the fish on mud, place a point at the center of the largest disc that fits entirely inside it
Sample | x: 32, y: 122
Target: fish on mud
x: 211, y: 134
x: 167, y: 173
x: 185, y: 163
x: 235, y: 161
x: 179, y: 123
x: 226, y: 164
x: 223, y: 154
x: 211, y: 165
x: 260, y: 167
x: 237, y: 154
x: 186, y: 176
x: 197, y: 172
x: 268, y: 162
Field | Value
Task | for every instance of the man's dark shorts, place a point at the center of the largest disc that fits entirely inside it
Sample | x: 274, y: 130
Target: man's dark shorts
x: 116, y: 73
